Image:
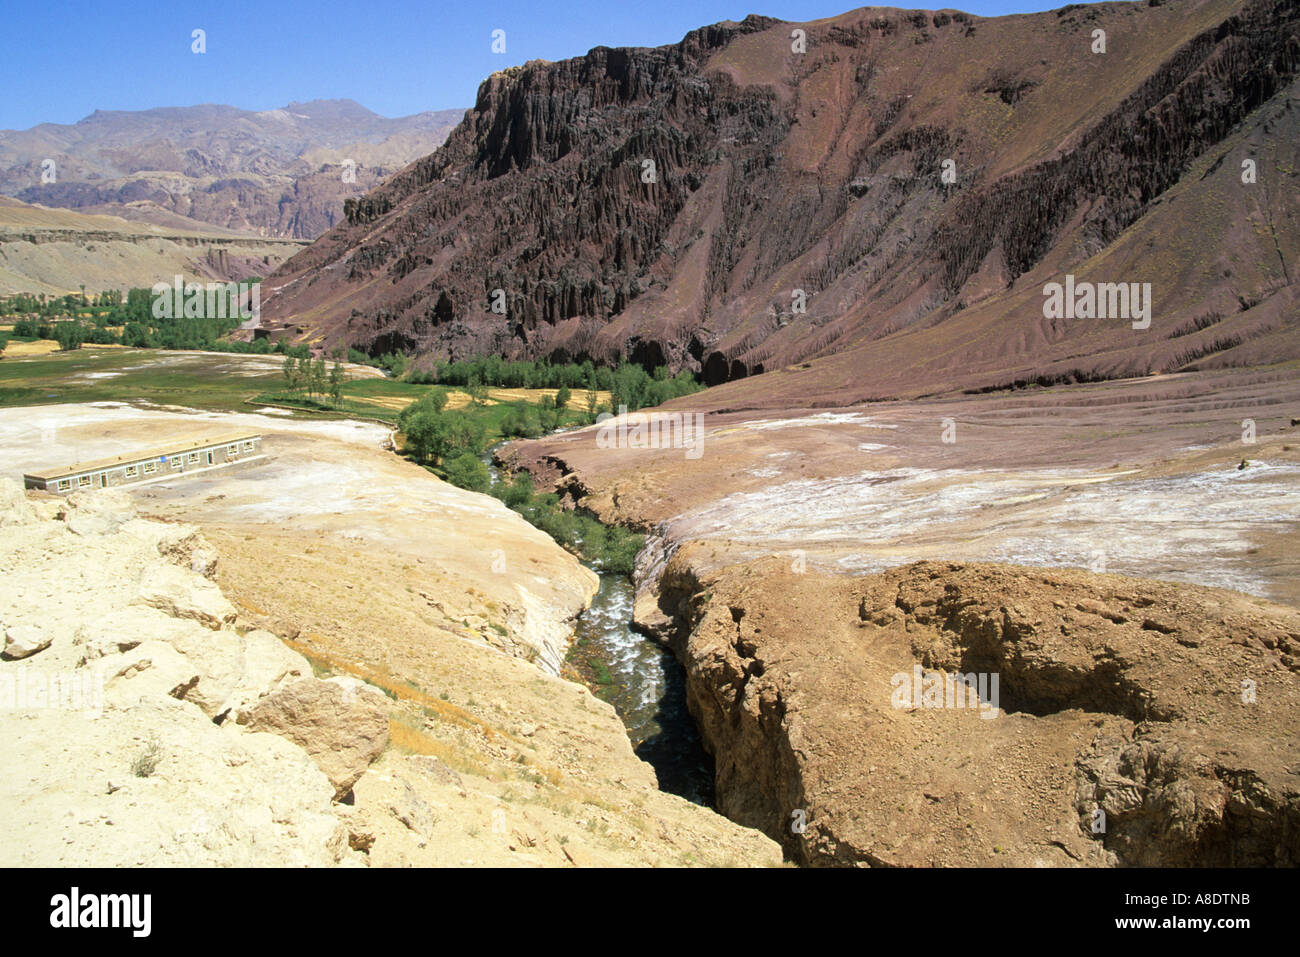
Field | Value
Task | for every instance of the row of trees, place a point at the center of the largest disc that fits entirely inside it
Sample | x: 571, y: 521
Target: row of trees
x: 41, y: 305
x: 113, y: 319
x: 629, y: 384
x: 302, y: 375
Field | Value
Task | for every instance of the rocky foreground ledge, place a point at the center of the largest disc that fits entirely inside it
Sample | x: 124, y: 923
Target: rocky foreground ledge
x: 141, y: 725
x: 147, y: 721
x: 1137, y: 722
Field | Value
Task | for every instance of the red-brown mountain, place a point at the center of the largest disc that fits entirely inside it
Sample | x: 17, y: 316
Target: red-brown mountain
x: 920, y: 177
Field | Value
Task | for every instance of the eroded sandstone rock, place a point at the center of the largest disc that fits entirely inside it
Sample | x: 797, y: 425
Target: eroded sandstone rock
x: 1105, y: 703
x: 14, y: 507
x: 112, y: 755
x: 183, y: 594
x: 23, y: 641
x: 98, y: 512
x: 343, y: 730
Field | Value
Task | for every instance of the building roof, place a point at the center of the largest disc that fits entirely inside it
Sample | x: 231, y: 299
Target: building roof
x: 144, y: 455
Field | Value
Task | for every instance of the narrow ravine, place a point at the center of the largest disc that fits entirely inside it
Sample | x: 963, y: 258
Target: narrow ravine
x: 641, y: 679
x: 646, y: 686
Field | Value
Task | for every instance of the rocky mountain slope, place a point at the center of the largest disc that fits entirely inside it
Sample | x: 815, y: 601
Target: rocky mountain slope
x: 886, y: 206
x: 56, y: 251
x: 278, y: 173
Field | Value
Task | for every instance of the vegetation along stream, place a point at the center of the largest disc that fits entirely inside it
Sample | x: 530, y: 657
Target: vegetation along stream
x: 458, y: 437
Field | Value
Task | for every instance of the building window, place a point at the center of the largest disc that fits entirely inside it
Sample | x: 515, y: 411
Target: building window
x: 192, y: 457
x: 132, y: 471
x: 232, y: 449
x: 248, y: 446
x: 65, y: 484
x: 83, y: 481
x: 150, y: 468
x: 176, y: 462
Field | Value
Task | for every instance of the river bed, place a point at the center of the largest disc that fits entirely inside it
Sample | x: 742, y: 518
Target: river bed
x: 641, y: 679
x: 646, y: 686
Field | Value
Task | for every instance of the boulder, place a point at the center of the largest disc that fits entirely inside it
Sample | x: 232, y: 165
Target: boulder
x: 219, y: 659
x: 355, y: 686
x: 413, y: 811
x: 181, y: 593
x: 342, y: 730
x: 184, y: 545
x: 98, y: 512
x: 23, y: 641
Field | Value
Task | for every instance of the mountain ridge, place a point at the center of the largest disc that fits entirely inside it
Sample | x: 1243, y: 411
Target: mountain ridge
x: 822, y: 172
x: 283, y: 172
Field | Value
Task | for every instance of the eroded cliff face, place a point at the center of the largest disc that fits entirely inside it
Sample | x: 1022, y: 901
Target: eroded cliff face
x: 1132, y: 722
x: 664, y: 205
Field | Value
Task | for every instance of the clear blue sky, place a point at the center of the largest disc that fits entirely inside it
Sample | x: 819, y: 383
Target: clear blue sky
x: 60, y: 61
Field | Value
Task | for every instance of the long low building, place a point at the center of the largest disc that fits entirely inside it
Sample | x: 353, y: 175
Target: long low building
x: 151, y: 465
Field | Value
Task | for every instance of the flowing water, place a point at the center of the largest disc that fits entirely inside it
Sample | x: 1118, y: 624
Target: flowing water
x: 646, y: 686
x: 644, y: 683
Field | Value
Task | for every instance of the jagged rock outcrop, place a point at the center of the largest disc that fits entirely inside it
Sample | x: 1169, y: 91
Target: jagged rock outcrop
x: 731, y: 206
x: 1131, y: 722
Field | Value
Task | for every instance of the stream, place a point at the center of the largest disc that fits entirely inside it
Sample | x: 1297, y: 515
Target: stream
x: 642, y: 680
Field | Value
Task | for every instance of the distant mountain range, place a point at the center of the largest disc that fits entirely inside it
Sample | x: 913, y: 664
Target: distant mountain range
x: 875, y: 203
x: 276, y: 173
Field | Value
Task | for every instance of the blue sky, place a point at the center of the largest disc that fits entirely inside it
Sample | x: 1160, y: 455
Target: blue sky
x: 60, y: 61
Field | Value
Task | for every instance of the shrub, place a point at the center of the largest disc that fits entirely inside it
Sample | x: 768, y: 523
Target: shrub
x: 468, y: 471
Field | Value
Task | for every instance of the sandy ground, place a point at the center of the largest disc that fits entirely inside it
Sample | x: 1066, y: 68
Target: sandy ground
x: 328, y: 479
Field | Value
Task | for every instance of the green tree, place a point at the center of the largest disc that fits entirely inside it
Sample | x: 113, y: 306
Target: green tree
x: 520, y: 490
x: 336, y: 383
x: 69, y: 335
x: 304, y: 374
x: 468, y: 471
x: 290, y: 370
x: 319, y: 377
x: 562, y: 397
x: 436, y: 399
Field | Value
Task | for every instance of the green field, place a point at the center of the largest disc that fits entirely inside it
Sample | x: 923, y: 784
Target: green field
x: 129, y: 375
x: 222, y: 383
